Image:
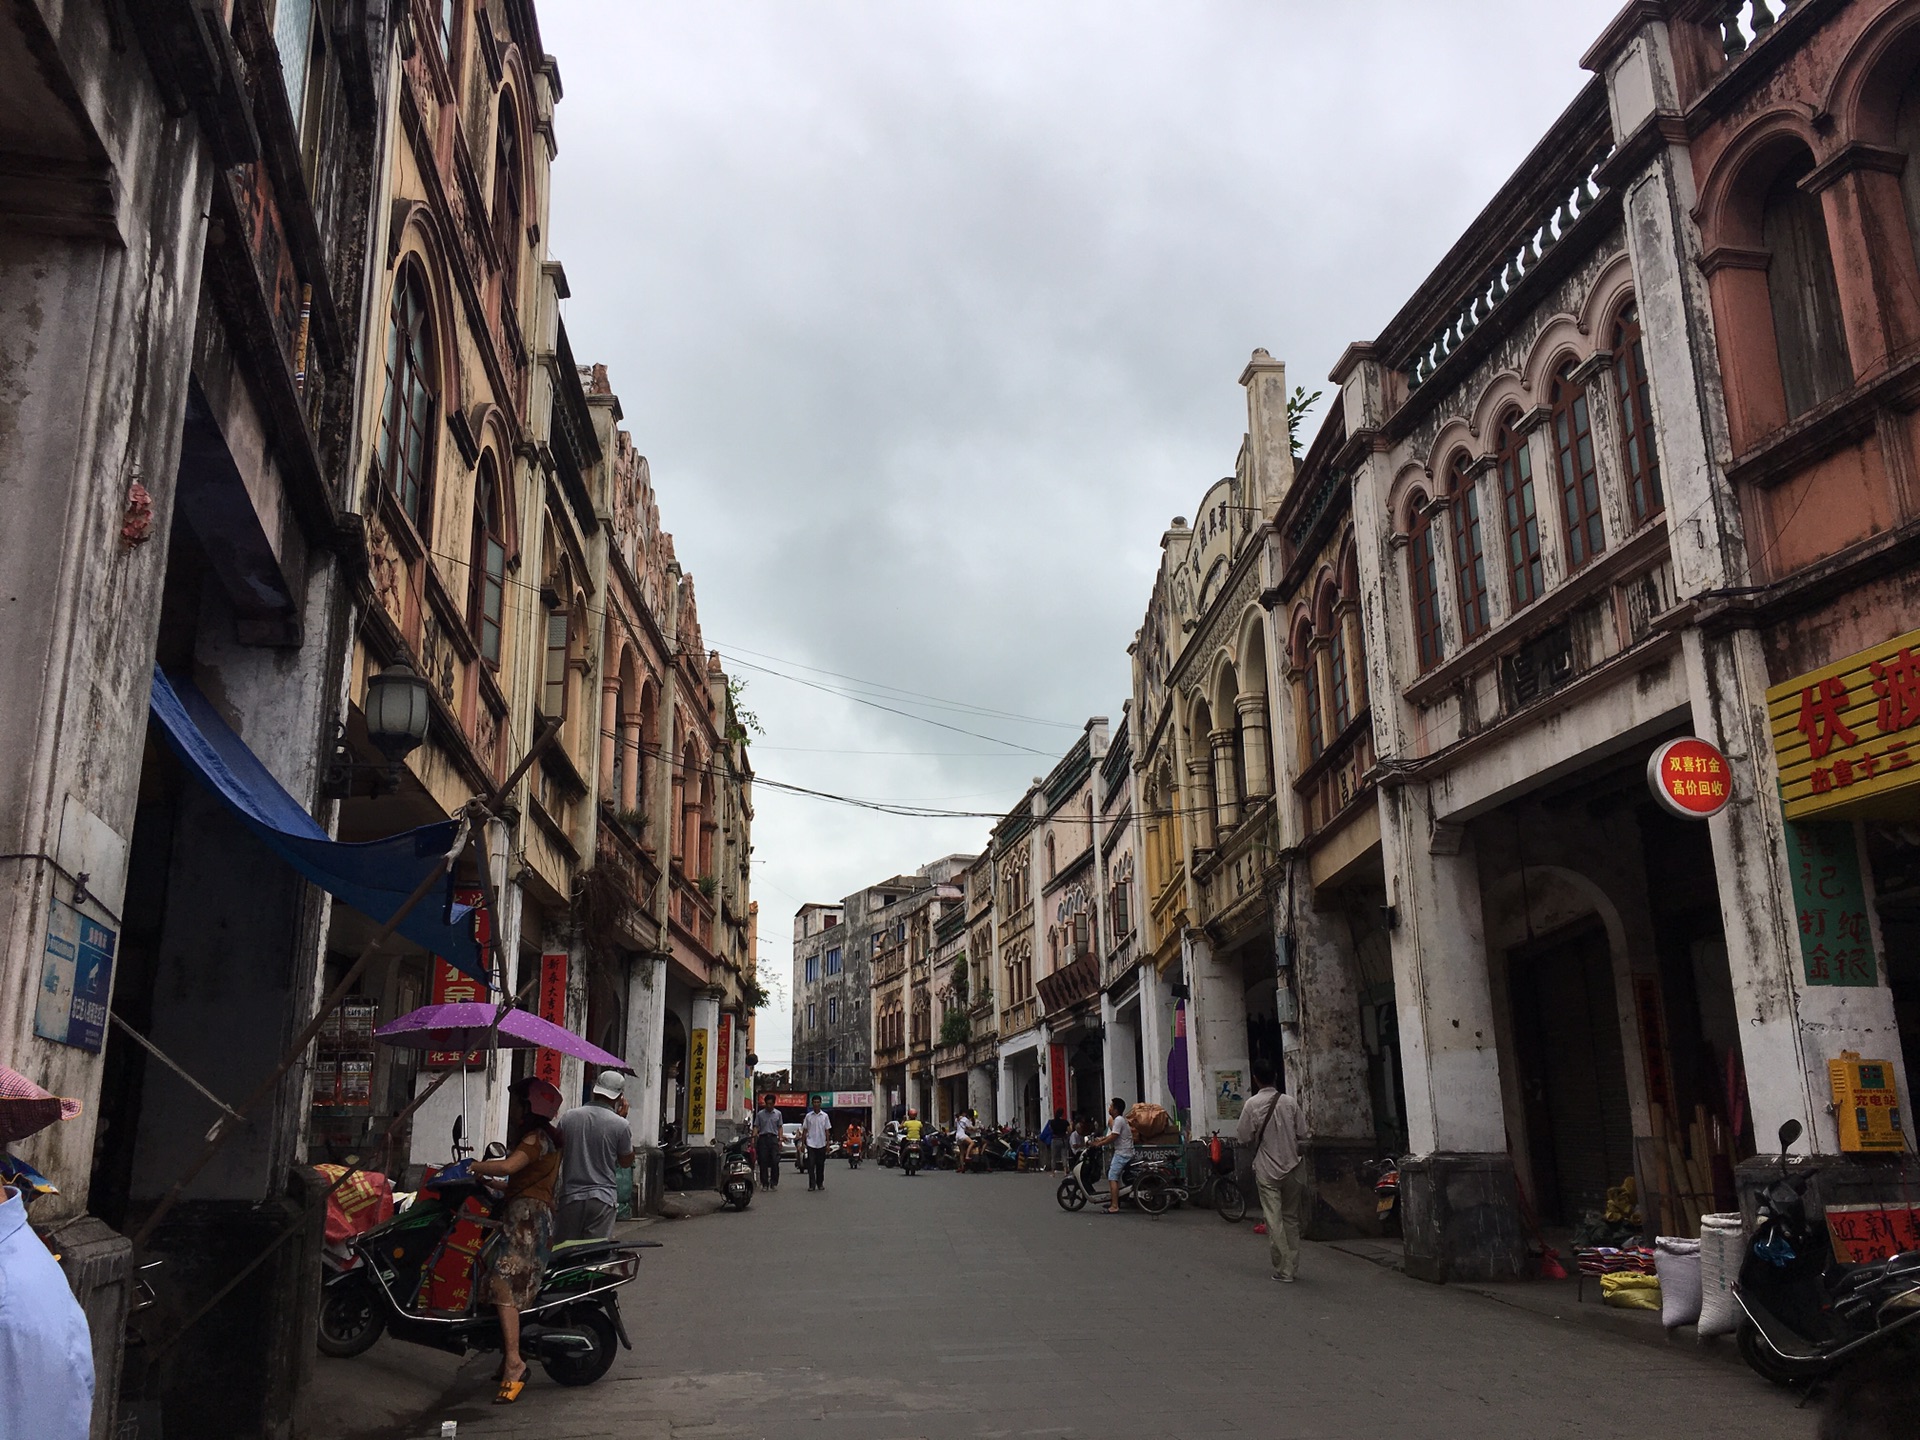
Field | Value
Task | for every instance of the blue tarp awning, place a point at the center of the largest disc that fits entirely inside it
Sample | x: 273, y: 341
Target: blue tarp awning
x: 374, y: 878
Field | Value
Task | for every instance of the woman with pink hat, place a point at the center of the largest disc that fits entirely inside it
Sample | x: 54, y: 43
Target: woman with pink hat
x: 46, y: 1351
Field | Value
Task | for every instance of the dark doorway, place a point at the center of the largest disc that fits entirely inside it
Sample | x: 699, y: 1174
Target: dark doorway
x: 1572, y: 1070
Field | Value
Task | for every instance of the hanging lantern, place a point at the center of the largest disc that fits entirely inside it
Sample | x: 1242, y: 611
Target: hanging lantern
x: 397, y: 711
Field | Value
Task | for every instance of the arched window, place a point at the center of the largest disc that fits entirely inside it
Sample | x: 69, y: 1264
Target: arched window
x: 1906, y: 138
x: 1639, y: 456
x: 1469, y: 553
x: 1310, y: 698
x: 509, y: 225
x: 1525, y: 580
x: 1579, y: 481
x: 1801, y: 289
x: 1052, y: 865
x: 1341, y: 700
x: 407, y: 428
x: 1423, y: 583
x: 489, y: 561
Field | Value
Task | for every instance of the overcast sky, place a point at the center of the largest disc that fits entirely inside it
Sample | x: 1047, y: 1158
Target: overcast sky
x: 929, y: 318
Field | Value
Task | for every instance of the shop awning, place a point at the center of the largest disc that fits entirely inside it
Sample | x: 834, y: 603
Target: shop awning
x: 375, y: 878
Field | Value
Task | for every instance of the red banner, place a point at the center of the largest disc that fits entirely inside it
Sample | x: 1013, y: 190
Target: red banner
x: 1060, y: 1102
x: 553, y: 1006
x: 723, y: 1060
x: 451, y: 987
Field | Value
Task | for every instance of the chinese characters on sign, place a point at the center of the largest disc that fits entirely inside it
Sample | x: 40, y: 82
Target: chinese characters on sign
x: 1057, y: 1066
x: 697, y: 1083
x: 1861, y: 1233
x: 723, y: 1052
x: 1830, y: 902
x: 1849, y: 730
x: 553, y: 1006
x: 76, y: 974
x: 1691, y: 778
x: 453, y: 987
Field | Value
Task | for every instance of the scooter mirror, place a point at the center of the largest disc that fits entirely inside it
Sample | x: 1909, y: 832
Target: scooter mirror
x: 495, y: 1150
x: 1790, y: 1131
x: 459, y: 1128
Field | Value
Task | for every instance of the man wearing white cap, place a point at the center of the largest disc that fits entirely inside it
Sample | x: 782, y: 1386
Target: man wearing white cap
x: 46, y: 1350
x: 597, y: 1145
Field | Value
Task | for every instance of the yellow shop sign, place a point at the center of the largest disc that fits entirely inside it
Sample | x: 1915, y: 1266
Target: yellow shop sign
x: 1849, y: 731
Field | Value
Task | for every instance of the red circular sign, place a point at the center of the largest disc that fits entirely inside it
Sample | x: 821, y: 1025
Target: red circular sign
x: 1691, y: 778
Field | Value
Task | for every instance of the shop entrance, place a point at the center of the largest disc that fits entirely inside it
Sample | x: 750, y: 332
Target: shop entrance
x: 1572, y: 1069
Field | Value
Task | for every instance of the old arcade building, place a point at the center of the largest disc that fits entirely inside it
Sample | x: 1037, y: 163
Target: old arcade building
x: 1203, y: 686
x: 1068, y: 982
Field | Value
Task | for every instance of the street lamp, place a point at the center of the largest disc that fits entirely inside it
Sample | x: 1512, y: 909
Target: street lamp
x: 397, y: 711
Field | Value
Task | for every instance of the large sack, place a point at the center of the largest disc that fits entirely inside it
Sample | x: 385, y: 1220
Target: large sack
x: 1723, y: 1245
x: 1677, y: 1263
x: 1148, y: 1122
x: 1629, y: 1291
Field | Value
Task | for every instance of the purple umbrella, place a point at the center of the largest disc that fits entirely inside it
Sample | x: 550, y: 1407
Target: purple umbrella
x: 469, y: 1024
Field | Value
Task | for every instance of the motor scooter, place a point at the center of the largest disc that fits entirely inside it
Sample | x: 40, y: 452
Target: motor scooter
x: 1145, y: 1185
x: 417, y: 1278
x: 912, y: 1153
x: 1385, y: 1174
x: 738, y: 1181
x: 1804, y: 1317
x: 852, y: 1150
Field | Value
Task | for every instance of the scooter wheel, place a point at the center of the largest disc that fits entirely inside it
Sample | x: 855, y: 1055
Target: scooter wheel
x: 1151, y: 1195
x: 1228, y: 1201
x: 584, y: 1369
x: 1070, y: 1196
x: 1765, y: 1362
x: 350, y: 1318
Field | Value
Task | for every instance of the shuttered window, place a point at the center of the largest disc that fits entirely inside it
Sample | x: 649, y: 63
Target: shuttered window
x: 1423, y: 581
x: 1525, y: 578
x: 1469, y: 557
x: 1579, y: 481
x: 1640, y: 456
x: 406, y: 428
x: 1342, y: 704
x: 1310, y: 673
x: 1800, y: 286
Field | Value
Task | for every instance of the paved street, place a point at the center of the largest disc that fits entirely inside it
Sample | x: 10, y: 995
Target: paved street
x: 946, y: 1307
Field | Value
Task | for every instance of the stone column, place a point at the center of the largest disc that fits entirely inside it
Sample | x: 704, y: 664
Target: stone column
x: 706, y: 1016
x: 646, y: 1036
x: 1459, y: 1203
x: 1326, y: 1060
x: 1216, y: 1031
x: 1254, y: 744
x: 1197, y: 801
x: 609, y: 730
x: 631, y: 766
x: 1226, y: 785
x: 1156, y: 1036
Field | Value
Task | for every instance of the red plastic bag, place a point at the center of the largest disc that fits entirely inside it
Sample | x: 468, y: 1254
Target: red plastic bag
x: 366, y: 1200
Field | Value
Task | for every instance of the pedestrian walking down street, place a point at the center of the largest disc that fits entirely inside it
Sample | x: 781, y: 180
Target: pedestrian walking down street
x: 964, y: 1124
x: 816, y: 1131
x: 766, y: 1141
x: 1076, y: 1141
x: 1272, y: 1125
x: 596, y: 1145
x: 1053, y: 1135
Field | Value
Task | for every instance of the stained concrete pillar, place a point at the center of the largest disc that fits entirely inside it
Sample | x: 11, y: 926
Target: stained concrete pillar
x: 646, y: 1037
x: 1120, y: 1037
x: 1326, y: 1062
x: 1459, y: 1205
x: 609, y: 735
x: 1198, y: 801
x: 1216, y: 1032
x: 1255, y: 745
x: 1226, y: 784
x: 630, y: 764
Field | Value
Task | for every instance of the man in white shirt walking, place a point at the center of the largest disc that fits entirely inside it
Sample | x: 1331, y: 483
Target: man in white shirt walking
x: 1271, y: 1123
x: 816, y: 1131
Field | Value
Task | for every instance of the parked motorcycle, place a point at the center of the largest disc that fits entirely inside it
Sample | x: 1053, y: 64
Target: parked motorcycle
x: 994, y: 1151
x: 1805, y: 1317
x: 1146, y: 1185
x: 738, y: 1180
x: 677, y: 1159
x: 416, y: 1278
x: 1385, y: 1175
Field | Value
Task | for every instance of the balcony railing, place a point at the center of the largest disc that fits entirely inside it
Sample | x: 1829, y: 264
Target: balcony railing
x: 1018, y: 1016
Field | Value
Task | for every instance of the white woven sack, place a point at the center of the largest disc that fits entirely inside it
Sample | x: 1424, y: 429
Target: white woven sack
x: 1677, y: 1263
x: 1723, y: 1243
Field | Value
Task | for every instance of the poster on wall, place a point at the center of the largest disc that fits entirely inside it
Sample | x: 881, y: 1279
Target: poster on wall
x: 722, y: 1062
x: 456, y: 987
x: 76, y: 974
x: 1830, y: 903
x: 1229, y: 1093
x: 697, y: 1083
x: 553, y: 1006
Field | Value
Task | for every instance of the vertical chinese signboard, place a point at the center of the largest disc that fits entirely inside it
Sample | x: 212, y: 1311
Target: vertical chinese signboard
x: 453, y: 987
x: 697, y: 1083
x: 1849, y: 730
x: 553, y: 1006
x: 1830, y: 902
x: 722, y: 1059
x: 1057, y: 1064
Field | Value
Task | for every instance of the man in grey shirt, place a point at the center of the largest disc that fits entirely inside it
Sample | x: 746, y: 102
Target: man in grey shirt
x: 596, y: 1144
x: 766, y: 1140
x: 1272, y: 1124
